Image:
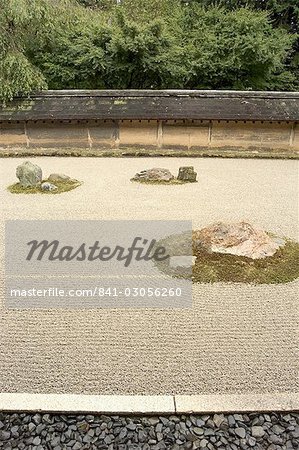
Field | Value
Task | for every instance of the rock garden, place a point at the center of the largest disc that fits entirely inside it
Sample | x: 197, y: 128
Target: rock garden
x: 31, y: 181
x: 164, y: 176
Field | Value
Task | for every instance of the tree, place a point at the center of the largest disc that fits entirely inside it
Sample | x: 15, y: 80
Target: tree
x: 236, y: 49
x: 18, y: 22
x: 102, y: 50
x: 72, y: 55
x: 282, y: 13
x: 146, y: 44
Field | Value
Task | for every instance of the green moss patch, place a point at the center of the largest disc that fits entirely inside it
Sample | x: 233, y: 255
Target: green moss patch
x: 62, y: 186
x: 282, y: 267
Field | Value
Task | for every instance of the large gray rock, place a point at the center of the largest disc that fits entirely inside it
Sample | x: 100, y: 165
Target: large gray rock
x: 155, y: 174
x: 187, y: 173
x: 29, y: 174
x: 240, y: 239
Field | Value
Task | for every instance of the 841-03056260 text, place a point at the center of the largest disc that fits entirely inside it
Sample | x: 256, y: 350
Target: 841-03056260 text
x: 99, y: 291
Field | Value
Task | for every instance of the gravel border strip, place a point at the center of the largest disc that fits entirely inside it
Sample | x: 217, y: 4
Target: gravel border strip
x: 271, y: 431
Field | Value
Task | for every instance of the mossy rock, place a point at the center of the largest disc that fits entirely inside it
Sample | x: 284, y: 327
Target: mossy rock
x: 282, y: 267
x: 62, y: 186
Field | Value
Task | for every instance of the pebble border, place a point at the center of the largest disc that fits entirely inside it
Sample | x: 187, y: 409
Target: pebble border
x: 36, y: 431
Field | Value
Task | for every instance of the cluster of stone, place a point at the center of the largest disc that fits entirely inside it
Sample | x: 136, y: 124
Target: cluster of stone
x: 157, y: 174
x: 271, y: 431
x: 30, y: 175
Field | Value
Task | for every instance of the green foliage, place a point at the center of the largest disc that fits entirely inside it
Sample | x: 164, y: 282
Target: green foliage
x: 23, y: 22
x: 282, y: 13
x: 98, y: 4
x: 99, y: 51
x: 146, y: 44
x: 236, y: 49
x: 17, y: 20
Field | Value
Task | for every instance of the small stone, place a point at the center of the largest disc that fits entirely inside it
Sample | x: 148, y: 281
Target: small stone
x: 142, y: 436
x: 175, y: 419
x: 153, y: 421
x: 203, y: 443
x: 159, y: 428
x: 209, y: 432
x: 218, y: 419
x: 87, y: 439
x: 77, y: 446
x: 275, y: 439
x: 4, y: 435
x: 277, y: 429
x: 198, y: 431
x: 187, y: 174
x: 240, y: 432
x: 164, y: 420
x: 231, y: 420
x: 48, y: 186
x: 31, y: 427
x: 251, y: 441
x: 257, y: 431
x: 191, y: 437
x: 182, y: 426
x: 60, y: 426
x: 188, y: 446
x: 210, y: 423
x: 83, y: 426
x: 107, y: 440
x: 36, y: 440
x: 40, y: 428
x: 123, y: 433
x: 47, y: 418
x: 60, y: 177
x: 200, y: 423
x: 159, y: 437
x: 55, y: 441
x: 37, y: 419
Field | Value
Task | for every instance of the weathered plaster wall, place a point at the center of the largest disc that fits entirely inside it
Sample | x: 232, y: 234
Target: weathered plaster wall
x: 181, y: 134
